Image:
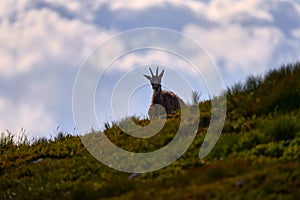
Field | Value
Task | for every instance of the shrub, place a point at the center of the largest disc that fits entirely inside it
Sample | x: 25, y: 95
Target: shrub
x: 281, y: 128
x: 250, y: 140
x: 292, y: 152
x: 270, y: 150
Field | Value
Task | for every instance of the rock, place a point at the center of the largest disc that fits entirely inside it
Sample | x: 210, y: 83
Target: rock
x: 132, y: 176
x: 287, y: 143
x: 36, y: 161
x: 239, y: 183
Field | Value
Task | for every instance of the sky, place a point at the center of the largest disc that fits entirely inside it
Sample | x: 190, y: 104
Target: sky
x: 43, y: 43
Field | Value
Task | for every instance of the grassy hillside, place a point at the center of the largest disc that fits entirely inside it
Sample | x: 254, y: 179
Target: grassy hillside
x: 256, y: 157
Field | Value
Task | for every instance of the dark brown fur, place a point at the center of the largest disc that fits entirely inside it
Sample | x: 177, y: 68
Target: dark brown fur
x: 170, y: 101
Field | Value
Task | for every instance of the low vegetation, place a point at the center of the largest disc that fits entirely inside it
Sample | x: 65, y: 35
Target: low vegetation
x: 256, y: 157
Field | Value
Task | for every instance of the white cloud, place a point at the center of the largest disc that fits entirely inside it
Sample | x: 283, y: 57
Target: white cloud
x: 226, y: 11
x: 296, y: 33
x: 81, y: 9
x: 105, y: 53
x: 12, y: 8
x: 158, y: 57
x: 41, y: 38
x: 155, y: 57
x: 135, y: 5
x: 69, y: 4
x: 38, y: 47
x: 32, y: 117
x: 214, y: 9
x: 297, y: 5
x: 244, y: 50
x: 196, y: 7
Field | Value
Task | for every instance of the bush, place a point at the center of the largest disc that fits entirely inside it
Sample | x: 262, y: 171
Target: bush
x: 281, y: 128
x: 270, y: 150
x: 292, y: 151
x: 250, y: 140
x: 278, y: 90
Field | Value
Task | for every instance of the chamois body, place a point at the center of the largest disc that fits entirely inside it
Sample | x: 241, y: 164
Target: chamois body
x: 170, y: 101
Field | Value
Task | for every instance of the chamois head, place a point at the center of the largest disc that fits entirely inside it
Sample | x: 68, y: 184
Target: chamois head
x: 155, y: 80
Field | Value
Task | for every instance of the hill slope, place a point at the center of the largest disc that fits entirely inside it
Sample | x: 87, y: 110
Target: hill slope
x: 257, y: 155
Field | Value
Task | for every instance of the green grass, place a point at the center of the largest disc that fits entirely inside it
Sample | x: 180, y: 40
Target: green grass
x: 256, y: 157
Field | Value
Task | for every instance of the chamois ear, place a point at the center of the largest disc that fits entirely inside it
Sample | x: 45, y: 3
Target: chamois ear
x: 151, y: 72
x: 148, y: 77
x: 161, y: 74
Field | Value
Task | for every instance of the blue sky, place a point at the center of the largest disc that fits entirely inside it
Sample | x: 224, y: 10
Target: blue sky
x: 43, y: 43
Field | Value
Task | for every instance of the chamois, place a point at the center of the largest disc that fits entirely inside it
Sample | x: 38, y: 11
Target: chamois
x: 170, y: 101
